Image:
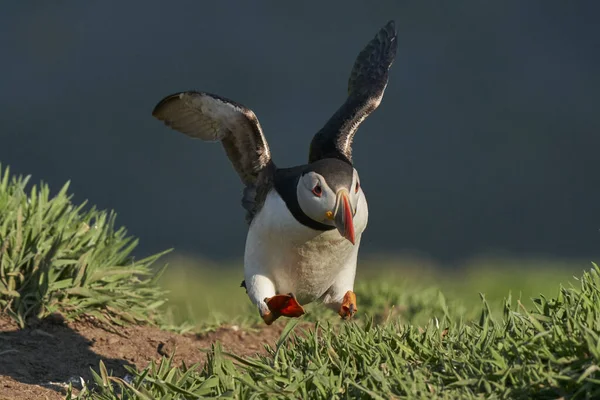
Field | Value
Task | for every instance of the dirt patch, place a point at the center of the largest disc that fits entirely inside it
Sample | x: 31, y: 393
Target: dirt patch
x: 36, y: 362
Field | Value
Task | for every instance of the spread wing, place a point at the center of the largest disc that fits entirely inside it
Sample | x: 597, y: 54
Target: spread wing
x: 214, y: 118
x: 368, y: 80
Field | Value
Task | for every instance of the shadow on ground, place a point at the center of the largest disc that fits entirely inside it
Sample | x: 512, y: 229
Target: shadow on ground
x: 50, y: 353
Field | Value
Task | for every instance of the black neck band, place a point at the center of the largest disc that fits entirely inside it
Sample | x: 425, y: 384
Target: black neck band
x: 287, y: 191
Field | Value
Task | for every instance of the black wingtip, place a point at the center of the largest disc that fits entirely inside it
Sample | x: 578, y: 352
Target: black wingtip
x: 390, y: 26
x: 370, y: 70
x: 387, y: 33
x: 388, y: 36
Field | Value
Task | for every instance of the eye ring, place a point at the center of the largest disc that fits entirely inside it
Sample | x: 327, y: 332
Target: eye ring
x: 356, y: 187
x: 317, y: 190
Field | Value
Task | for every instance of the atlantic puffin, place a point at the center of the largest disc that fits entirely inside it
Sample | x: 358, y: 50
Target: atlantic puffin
x: 305, y: 222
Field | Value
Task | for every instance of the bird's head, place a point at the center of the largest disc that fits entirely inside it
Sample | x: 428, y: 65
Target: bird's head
x: 328, y: 193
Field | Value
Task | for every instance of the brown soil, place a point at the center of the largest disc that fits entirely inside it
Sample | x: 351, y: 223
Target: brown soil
x: 37, y: 362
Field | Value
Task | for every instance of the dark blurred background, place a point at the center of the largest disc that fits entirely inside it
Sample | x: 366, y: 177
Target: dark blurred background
x: 487, y: 138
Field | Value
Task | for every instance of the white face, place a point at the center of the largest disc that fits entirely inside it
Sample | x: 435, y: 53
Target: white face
x: 318, y: 200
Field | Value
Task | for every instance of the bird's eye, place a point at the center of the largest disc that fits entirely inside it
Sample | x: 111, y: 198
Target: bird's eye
x: 317, y: 191
x: 356, y: 187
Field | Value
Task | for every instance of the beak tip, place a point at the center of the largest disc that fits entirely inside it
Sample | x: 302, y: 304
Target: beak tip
x: 350, y: 237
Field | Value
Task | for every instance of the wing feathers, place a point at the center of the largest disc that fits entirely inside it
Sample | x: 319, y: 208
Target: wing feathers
x: 366, y: 85
x: 212, y: 118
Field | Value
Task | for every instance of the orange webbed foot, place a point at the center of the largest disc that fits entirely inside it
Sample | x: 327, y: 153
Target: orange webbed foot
x: 282, y: 305
x: 348, y: 307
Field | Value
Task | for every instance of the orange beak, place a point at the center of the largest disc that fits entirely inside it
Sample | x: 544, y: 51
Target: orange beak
x: 343, y: 216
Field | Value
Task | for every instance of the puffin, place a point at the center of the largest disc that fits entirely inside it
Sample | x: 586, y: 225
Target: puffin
x: 305, y: 222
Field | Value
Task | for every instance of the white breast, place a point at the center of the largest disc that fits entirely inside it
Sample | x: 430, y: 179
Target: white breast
x: 296, y: 258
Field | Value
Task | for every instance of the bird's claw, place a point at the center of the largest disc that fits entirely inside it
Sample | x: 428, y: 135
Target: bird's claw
x: 348, y: 308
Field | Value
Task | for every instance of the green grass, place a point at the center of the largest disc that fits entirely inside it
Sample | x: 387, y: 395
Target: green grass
x: 490, y: 328
x: 57, y: 257
x: 549, y: 351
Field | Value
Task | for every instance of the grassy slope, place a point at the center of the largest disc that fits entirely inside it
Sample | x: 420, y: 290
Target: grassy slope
x: 58, y: 257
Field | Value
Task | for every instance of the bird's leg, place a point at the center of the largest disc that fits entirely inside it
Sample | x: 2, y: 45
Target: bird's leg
x: 259, y: 287
x: 340, y: 296
x: 348, y: 307
x: 282, y: 305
